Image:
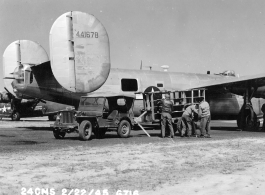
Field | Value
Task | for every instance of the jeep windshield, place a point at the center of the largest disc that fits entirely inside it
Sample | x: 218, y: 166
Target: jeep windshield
x: 91, y: 104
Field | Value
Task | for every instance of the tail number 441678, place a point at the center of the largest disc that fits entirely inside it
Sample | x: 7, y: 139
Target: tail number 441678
x: 85, y: 34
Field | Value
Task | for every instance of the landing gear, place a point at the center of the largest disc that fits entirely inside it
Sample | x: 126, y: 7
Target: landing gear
x: 247, y: 118
x: 15, y: 116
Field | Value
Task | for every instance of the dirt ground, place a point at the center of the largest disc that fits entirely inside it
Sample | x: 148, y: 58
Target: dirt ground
x: 197, y: 166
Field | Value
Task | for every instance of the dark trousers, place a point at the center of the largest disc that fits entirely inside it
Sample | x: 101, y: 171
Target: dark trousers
x: 188, y: 124
x: 263, y: 127
x: 181, y: 126
x: 205, y: 125
x: 166, y: 119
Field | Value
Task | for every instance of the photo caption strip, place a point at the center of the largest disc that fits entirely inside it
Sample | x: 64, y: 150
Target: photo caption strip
x: 75, y: 191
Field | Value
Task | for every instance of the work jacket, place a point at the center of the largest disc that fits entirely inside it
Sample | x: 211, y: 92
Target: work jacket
x: 190, y: 110
x: 204, y: 109
x: 167, y: 106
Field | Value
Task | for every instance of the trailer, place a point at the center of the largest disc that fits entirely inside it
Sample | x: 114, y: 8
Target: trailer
x: 151, y: 114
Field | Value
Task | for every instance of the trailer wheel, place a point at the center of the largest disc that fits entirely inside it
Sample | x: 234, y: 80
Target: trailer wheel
x: 58, y: 135
x: 124, y: 129
x: 15, y: 116
x: 85, y: 130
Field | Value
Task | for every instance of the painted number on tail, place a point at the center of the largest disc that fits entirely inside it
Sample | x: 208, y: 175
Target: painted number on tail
x: 87, y: 34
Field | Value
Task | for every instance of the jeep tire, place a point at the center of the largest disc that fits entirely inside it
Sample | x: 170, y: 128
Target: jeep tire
x: 85, y: 130
x: 124, y: 129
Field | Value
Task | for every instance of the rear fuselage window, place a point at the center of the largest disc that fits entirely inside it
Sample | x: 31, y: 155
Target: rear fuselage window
x: 129, y: 85
x: 159, y: 85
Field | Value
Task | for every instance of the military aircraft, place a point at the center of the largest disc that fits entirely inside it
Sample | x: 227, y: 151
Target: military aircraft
x: 16, y: 108
x: 29, y: 108
x: 80, y: 64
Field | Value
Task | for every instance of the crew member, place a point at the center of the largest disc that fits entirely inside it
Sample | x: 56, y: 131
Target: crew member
x: 187, y: 118
x: 263, y: 110
x: 166, y: 118
x: 205, y: 115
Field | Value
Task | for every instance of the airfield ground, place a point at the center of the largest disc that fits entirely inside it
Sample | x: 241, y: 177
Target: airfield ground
x: 231, y: 162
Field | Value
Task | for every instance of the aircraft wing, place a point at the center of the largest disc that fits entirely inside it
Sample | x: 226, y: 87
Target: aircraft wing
x: 233, y: 82
x: 100, y: 93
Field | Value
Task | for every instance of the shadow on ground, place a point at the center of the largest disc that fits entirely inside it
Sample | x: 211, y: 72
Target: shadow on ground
x: 36, y: 128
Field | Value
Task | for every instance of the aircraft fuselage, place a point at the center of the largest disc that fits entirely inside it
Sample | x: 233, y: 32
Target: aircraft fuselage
x: 39, y: 82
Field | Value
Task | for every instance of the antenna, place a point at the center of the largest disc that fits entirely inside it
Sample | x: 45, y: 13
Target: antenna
x: 165, y: 67
x: 150, y: 67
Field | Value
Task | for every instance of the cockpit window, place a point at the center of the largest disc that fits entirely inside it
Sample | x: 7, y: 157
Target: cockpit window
x: 159, y: 85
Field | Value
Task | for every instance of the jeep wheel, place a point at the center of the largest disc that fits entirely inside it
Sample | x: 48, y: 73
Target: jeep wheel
x: 124, y: 129
x: 85, y: 130
x: 58, y: 135
x: 15, y: 116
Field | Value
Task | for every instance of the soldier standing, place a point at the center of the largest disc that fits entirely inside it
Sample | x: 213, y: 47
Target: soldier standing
x: 263, y: 110
x: 205, y: 115
x: 166, y: 118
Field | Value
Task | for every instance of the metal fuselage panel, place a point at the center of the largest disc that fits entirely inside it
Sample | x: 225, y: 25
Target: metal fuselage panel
x: 45, y: 86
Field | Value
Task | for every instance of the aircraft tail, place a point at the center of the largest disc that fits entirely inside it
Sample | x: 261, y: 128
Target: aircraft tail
x: 79, y: 52
x: 17, y: 58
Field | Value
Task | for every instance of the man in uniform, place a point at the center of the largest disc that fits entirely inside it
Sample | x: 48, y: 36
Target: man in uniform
x: 187, y: 118
x: 205, y: 115
x: 166, y: 118
x: 263, y: 110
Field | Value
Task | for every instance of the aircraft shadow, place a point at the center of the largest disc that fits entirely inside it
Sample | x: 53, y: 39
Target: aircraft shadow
x: 151, y: 134
x: 226, y: 128
x: 236, y: 129
x: 76, y: 137
x: 36, y: 128
x: 112, y: 136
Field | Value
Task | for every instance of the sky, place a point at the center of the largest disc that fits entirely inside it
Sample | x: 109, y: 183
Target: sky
x: 192, y: 36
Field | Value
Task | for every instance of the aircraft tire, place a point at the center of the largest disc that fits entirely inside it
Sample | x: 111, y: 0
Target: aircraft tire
x: 100, y: 133
x: 252, y: 125
x: 85, y: 130
x: 124, y: 129
x: 247, y: 123
x: 15, y: 116
x: 58, y: 135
